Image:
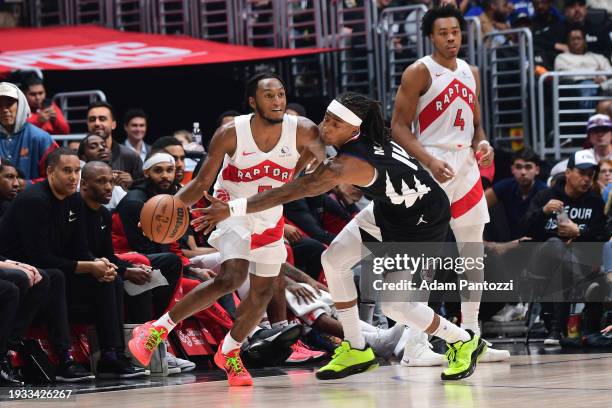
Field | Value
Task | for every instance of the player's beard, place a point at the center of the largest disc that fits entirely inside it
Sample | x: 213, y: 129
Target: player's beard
x: 267, y: 119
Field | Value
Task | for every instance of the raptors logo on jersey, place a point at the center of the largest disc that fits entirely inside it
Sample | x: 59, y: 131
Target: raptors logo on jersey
x: 250, y: 171
x: 445, y: 113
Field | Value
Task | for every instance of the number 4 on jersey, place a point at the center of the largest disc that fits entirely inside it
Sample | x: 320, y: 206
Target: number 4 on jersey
x: 459, y: 121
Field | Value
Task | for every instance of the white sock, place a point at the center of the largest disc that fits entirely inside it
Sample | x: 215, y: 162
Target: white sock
x: 351, y: 325
x: 451, y: 333
x: 469, y: 314
x: 281, y: 324
x: 230, y: 344
x: 474, y: 326
x: 166, y: 322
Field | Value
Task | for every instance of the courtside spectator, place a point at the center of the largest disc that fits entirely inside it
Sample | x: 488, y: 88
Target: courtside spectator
x: 93, y: 148
x: 45, y: 114
x: 227, y: 117
x: 604, y: 178
x: 96, y: 188
x: 174, y: 148
x: 24, y: 144
x: 545, y: 16
x: 295, y: 109
x: 9, y: 184
x: 126, y: 164
x: 45, y: 227
x: 73, y: 145
x: 567, y: 212
x: 135, y: 126
x: 183, y: 136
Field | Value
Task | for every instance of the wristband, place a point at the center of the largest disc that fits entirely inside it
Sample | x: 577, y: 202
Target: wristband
x: 237, y: 207
x: 483, y: 142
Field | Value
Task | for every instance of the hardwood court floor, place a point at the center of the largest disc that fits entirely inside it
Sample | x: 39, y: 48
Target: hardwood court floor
x: 559, y: 381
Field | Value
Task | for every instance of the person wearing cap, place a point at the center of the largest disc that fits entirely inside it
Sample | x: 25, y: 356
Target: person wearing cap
x: 24, y: 144
x: 159, y: 173
x: 567, y: 212
x: 599, y: 138
x: 597, y: 34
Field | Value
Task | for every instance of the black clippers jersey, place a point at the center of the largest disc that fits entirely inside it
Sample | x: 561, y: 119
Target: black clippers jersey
x: 402, y: 190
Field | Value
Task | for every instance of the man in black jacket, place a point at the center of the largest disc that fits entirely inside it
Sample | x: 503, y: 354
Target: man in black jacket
x: 568, y: 212
x: 96, y: 190
x: 45, y: 227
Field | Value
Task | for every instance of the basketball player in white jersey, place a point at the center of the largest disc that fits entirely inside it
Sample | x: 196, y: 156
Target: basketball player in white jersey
x: 258, y: 152
x: 437, y: 120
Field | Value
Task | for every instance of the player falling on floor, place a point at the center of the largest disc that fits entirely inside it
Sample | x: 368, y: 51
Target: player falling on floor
x: 259, y: 151
x: 403, y: 193
x: 439, y: 97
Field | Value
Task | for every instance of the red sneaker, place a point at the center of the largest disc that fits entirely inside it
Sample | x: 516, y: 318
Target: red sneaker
x: 231, y: 363
x: 302, y: 353
x: 145, y: 339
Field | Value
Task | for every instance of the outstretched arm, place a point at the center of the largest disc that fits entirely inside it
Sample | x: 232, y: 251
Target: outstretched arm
x: 343, y: 169
x: 310, y: 146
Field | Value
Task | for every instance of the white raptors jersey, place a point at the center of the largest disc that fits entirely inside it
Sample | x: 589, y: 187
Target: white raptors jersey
x: 445, y: 113
x: 250, y: 171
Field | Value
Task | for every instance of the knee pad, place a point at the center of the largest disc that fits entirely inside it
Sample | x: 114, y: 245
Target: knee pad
x: 339, y: 276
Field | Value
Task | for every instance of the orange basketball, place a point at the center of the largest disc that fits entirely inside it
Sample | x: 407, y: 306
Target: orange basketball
x: 164, y: 219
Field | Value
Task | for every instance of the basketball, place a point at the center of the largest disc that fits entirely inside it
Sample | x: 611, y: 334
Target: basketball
x: 164, y: 219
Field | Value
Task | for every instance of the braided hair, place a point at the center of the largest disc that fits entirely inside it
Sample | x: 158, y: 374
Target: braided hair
x: 369, y: 110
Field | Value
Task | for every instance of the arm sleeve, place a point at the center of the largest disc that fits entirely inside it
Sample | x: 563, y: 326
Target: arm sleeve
x: 532, y: 223
x: 33, y: 218
x: 298, y: 213
x: 60, y: 125
x: 109, y: 251
x: 595, y: 230
x: 129, y: 213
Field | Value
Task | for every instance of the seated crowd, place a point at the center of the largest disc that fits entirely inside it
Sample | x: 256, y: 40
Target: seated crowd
x: 72, y: 251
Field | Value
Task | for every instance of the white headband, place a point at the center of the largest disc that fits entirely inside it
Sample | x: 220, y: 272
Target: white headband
x: 156, y: 159
x: 344, y: 113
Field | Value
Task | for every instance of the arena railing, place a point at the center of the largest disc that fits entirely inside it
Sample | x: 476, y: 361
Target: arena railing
x: 305, y: 25
x: 351, y: 30
x: 48, y: 12
x: 171, y: 17
x: 130, y: 15
x: 74, y: 104
x: 215, y: 20
x: 563, y: 113
x: 509, y: 88
x: 399, y: 43
x: 63, y: 140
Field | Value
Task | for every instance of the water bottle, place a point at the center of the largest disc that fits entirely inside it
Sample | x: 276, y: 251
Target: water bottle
x: 562, y: 217
x: 197, y: 134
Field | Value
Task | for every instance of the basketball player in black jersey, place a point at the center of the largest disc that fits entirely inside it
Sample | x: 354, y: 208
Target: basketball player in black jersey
x: 403, y: 195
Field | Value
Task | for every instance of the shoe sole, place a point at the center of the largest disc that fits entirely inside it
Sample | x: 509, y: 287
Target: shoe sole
x: 71, y: 380
x: 264, y: 352
x: 112, y: 376
x: 356, y: 369
x: 421, y: 363
x: 476, y: 354
x: 552, y: 342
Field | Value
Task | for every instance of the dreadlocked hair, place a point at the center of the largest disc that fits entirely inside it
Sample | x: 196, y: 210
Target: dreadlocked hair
x: 369, y: 111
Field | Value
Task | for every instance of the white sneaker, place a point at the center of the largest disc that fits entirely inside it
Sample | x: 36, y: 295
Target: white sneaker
x: 501, y: 316
x: 418, y: 352
x: 510, y: 313
x: 493, y: 355
x: 383, y: 341
x: 178, y: 365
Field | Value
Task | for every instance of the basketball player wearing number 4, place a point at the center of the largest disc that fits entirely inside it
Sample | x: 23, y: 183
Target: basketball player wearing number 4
x: 438, y: 98
x: 258, y: 152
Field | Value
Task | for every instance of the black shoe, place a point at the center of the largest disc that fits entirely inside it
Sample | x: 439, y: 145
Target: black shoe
x: 71, y: 371
x: 269, y: 347
x: 120, y: 367
x: 8, y: 378
x: 553, y: 338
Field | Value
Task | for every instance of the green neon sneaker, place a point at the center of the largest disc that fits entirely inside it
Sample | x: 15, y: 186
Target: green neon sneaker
x: 463, y: 357
x: 347, y: 361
